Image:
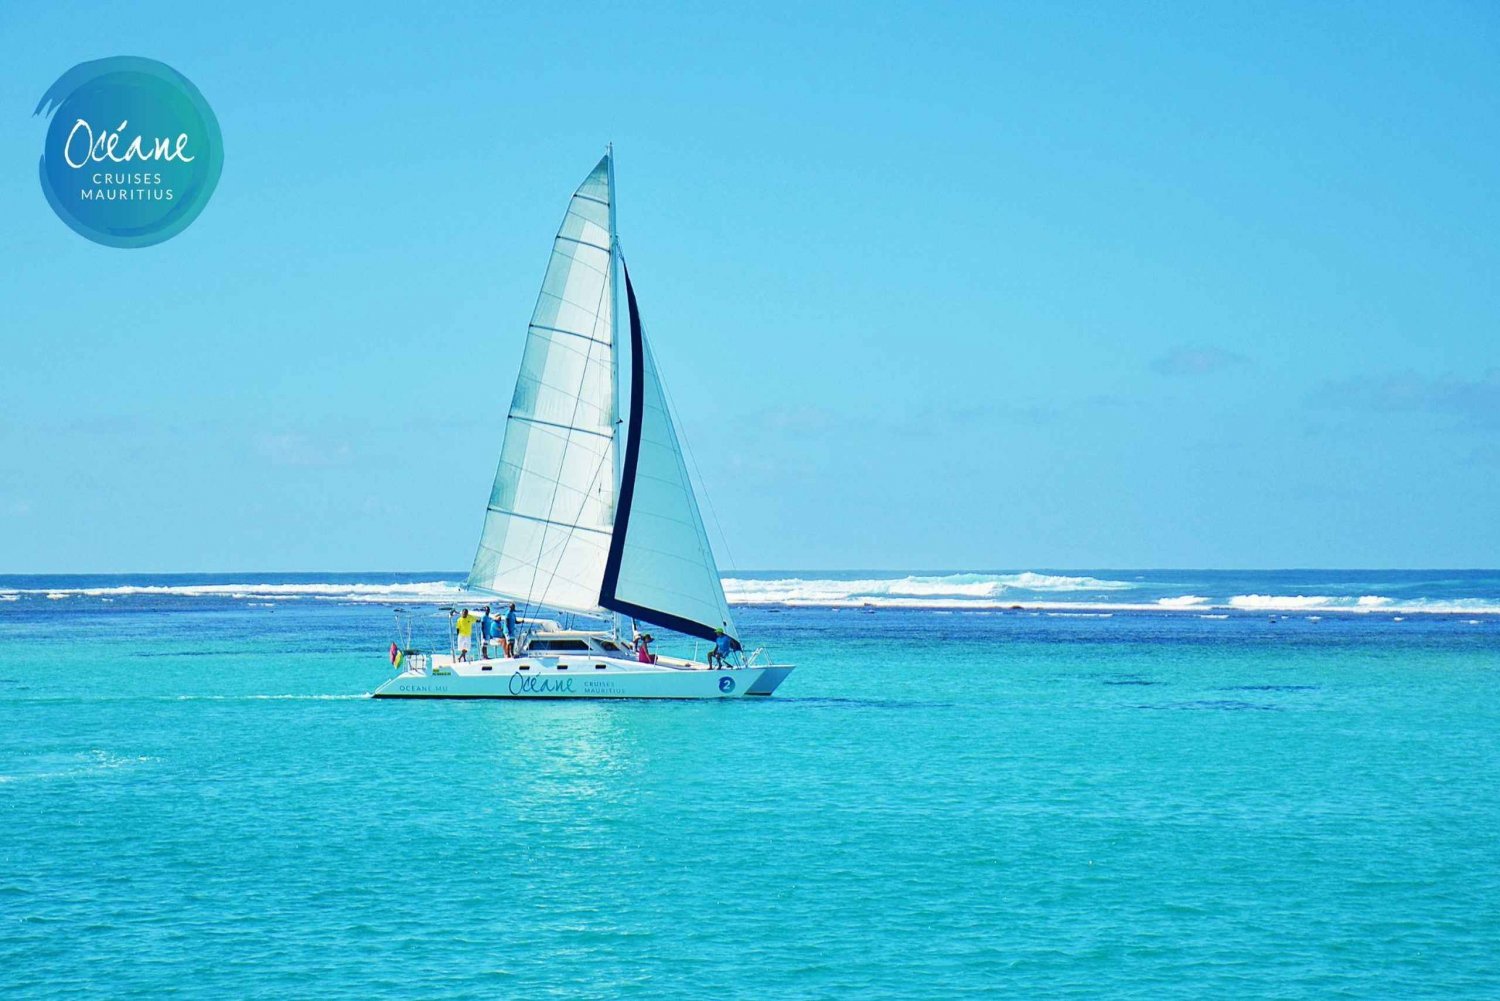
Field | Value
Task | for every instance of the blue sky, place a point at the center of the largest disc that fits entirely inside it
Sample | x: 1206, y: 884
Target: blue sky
x: 971, y: 286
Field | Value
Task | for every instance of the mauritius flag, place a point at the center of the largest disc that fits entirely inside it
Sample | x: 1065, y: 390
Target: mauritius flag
x: 397, y: 656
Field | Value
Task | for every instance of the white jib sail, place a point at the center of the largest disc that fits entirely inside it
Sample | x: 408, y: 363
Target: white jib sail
x: 665, y: 572
x: 547, y: 531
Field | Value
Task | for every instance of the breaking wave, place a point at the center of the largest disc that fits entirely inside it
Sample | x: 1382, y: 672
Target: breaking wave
x: 1366, y: 603
x: 962, y: 588
x: 1031, y: 591
x: 1183, y: 601
x: 1059, y: 593
x: 417, y: 591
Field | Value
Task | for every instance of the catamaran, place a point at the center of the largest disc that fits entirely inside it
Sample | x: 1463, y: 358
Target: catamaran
x: 578, y: 525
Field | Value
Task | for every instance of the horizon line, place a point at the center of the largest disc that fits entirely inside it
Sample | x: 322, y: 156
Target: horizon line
x: 798, y: 570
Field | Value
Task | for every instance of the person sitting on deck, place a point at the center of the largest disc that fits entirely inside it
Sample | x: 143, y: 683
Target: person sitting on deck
x: 643, y: 649
x: 465, y: 629
x: 723, y: 646
x: 512, y: 631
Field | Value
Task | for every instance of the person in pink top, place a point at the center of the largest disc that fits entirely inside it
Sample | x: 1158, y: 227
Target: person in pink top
x: 643, y: 649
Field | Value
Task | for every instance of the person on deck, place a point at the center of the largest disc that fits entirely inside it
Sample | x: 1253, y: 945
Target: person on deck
x: 512, y: 631
x: 465, y: 629
x: 488, y: 629
x: 643, y: 649
x: 723, y: 647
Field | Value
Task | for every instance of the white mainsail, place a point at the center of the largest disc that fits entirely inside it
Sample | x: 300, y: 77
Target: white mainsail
x: 547, y: 530
x: 661, y: 566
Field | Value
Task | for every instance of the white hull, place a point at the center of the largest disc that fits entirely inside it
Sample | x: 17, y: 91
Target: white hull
x: 578, y: 677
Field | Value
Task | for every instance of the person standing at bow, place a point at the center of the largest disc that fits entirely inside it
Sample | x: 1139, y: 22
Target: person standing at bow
x: 464, y: 627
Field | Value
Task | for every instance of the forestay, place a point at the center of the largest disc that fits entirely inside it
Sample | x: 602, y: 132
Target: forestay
x: 661, y: 568
x: 546, y: 533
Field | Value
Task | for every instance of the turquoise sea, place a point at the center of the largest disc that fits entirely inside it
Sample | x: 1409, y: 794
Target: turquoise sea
x: 1138, y: 784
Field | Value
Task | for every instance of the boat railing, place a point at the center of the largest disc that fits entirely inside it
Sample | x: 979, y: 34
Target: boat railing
x: 416, y: 663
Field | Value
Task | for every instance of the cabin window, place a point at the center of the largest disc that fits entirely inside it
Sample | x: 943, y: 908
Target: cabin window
x: 601, y: 667
x: 562, y: 667
x: 487, y: 667
x: 558, y: 645
x: 608, y: 645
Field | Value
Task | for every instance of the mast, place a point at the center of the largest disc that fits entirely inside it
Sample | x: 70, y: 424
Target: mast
x: 614, y: 318
x: 616, y: 619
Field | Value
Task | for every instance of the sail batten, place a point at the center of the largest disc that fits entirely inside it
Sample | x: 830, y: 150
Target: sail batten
x: 571, y: 333
x: 548, y: 521
x: 558, y: 427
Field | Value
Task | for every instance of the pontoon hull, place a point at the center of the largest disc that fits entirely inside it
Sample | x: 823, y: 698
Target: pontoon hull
x: 770, y: 678
x: 576, y: 678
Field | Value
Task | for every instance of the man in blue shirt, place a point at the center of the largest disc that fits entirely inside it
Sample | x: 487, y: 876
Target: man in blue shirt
x: 512, y: 630
x: 489, y: 633
x: 723, y: 647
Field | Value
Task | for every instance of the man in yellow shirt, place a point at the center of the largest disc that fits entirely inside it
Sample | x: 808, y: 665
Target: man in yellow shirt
x: 465, y: 627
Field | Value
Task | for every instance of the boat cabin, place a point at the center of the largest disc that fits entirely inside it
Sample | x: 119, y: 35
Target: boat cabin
x: 573, y: 641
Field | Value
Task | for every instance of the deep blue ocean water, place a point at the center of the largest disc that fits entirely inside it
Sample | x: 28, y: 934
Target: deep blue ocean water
x: 1111, y: 792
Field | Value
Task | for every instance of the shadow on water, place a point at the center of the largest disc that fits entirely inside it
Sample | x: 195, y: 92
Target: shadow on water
x: 846, y: 703
x: 1221, y: 705
x: 1270, y: 688
x: 1105, y: 678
